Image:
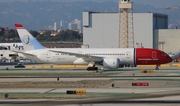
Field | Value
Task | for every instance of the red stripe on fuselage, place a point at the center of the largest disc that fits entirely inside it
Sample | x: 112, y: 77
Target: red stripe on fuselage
x: 147, y: 56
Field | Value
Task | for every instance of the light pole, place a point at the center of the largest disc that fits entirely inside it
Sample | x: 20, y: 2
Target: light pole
x: 162, y: 44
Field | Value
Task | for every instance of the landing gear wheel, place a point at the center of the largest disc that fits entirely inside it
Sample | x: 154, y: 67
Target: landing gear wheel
x: 95, y: 68
x: 92, y: 68
x: 157, y: 68
x: 88, y: 69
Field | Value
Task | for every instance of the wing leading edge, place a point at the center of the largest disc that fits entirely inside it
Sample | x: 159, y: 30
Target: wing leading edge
x: 23, y: 53
x: 85, y: 57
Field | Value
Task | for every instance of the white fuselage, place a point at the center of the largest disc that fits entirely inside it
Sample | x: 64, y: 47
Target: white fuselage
x: 125, y: 55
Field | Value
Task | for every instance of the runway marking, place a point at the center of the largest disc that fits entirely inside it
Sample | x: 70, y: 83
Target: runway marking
x: 29, y: 66
x: 38, y: 66
x: 49, y: 90
x: 46, y: 66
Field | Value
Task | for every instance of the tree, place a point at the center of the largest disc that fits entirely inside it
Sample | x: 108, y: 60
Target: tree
x: 68, y: 35
x: 1, y: 31
x: 47, y: 33
x: 41, y: 37
x: 63, y: 35
x: 34, y: 33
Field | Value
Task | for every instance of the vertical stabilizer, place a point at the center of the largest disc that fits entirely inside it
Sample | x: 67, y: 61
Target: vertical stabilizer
x: 27, y: 39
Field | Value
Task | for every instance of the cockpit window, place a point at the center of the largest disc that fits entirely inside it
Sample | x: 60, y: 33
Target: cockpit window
x: 164, y: 54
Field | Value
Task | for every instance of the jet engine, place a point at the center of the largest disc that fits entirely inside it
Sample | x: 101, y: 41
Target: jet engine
x: 111, y: 62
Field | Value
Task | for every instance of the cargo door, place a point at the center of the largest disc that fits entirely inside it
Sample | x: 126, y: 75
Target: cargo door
x: 128, y: 54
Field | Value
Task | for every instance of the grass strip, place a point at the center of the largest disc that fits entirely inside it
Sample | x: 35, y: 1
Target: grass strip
x: 54, y: 74
x: 55, y: 84
x: 119, y: 94
x: 154, y: 79
x: 44, y: 96
x: 33, y: 93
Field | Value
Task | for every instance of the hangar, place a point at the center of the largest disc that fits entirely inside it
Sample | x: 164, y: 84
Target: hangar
x: 100, y: 29
x: 168, y: 40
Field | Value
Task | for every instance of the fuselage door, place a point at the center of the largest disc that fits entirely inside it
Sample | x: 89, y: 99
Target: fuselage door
x: 128, y: 54
x: 48, y: 54
x: 154, y: 54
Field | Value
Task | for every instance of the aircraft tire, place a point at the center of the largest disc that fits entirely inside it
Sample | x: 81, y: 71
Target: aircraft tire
x: 88, y: 69
x: 92, y: 68
x: 95, y: 68
x: 157, y: 68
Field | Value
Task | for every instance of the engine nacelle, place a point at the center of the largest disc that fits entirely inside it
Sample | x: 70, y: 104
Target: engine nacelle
x: 80, y: 61
x: 111, y: 62
x: 22, y: 56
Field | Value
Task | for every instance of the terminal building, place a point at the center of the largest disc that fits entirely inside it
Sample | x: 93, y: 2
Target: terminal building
x: 100, y: 30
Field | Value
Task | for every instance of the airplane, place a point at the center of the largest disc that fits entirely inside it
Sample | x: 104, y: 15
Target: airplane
x: 175, y: 56
x: 93, y: 57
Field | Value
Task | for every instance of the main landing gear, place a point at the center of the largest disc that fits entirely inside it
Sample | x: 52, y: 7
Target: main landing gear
x: 93, y: 68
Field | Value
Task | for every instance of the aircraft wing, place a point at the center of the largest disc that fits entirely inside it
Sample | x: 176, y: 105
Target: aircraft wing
x: 23, y: 53
x: 85, y: 57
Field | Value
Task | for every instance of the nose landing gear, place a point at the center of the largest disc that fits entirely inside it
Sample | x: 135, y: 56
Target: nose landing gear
x: 157, y: 67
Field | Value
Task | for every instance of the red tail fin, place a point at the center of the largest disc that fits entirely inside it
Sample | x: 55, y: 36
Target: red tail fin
x: 18, y: 26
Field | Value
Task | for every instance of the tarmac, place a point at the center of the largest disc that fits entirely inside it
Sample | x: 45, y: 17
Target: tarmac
x: 163, y: 88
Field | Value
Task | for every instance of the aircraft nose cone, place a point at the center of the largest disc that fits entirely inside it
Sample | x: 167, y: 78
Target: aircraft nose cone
x: 169, y: 59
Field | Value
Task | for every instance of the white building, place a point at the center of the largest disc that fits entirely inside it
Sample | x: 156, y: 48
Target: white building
x: 168, y: 40
x: 100, y: 30
x: 76, y: 24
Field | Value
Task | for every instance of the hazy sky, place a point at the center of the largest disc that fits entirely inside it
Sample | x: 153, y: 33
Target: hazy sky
x: 155, y: 3
x: 159, y: 3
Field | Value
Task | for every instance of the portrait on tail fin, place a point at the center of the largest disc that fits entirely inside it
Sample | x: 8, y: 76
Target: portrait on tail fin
x: 27, y: 38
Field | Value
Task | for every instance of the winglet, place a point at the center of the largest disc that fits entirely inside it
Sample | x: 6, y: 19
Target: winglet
x: 18, y: 26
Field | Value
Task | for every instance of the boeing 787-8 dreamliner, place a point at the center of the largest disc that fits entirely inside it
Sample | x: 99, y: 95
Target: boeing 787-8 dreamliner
x: 106, y: 57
